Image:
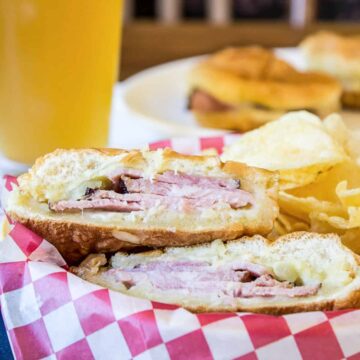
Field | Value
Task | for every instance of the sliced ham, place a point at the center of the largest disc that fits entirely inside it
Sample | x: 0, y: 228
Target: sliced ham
x: 254, y: 269
x: 236, y: 198
x: 112, y: 201
x: 184, y: 179
x: 96, y: 204
x: 253, y: 290
x: 169, y: 266
x: 203, y: 102
x: 132, y: 173
x: 183, y: 279
x: 171, y: 177
x: 172, y: 191
x: 233, y: 280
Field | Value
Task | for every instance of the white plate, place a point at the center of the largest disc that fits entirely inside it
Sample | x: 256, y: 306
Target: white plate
x: 159, y: 96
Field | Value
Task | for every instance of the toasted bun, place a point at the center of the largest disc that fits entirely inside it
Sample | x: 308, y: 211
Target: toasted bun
x: 65, y: 174
x: 306, y: 258
x: 254, y: 76
x: 338, y: 56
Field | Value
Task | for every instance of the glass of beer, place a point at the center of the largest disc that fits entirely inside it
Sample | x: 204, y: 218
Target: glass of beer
x: 58, y: 65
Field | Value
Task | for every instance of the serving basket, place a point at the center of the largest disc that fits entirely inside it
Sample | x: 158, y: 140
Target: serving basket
x: 51, y: 313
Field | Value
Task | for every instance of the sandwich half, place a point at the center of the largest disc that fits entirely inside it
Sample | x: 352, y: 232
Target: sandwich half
x: 86, y: 201
x: 338, y: 56
x: 298, y: 272
x: 244, y: 88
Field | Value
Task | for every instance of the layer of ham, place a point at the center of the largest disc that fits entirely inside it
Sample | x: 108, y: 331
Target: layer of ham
x: 203, y: 102
x: 175, y: 191
x: 234, y: 279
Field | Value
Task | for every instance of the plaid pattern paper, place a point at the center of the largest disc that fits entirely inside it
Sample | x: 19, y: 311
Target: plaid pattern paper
x: 52, y: 314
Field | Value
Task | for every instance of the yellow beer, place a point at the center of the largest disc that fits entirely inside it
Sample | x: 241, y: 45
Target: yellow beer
x: 58, y: 64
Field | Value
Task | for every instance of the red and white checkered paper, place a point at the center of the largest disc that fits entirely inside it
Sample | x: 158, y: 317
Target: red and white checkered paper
x: 50, y: 313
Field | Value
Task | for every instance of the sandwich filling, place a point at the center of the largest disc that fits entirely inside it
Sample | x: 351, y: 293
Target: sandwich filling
x: 236, y: 279
x: 131, y: 191
x: 203, y: 102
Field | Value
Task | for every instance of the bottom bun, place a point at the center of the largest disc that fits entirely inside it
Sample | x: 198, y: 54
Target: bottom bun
x: 298, y: 272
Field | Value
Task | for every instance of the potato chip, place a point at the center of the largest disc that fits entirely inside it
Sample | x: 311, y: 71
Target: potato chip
x: 324, y: 187
x: 349, y: 221
x: 297, y: 145
x: 353, y: 146
x: 301, y: 207
x: 295, y: 178
x: 350, y: 238
x: 297, y: 140
x: 336, y: 127
x: 348, y: 197
x: 292, y: 224
x: 322, y: 227
x: 328, y: 199
x: 285, y: 224
x: 277, y: 231
x: 319, y: 170
x: 350, y: 140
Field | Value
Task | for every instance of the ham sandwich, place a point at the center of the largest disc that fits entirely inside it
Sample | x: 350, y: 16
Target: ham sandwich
x: 86, y: 201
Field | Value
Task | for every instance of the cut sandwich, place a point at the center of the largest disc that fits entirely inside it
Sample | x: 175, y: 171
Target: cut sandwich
x: 244, y: 88
x: 298, y: 272
x: 86, y: 201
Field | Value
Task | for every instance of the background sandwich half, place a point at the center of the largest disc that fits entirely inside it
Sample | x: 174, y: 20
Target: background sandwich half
x: 243, y: 88
x: 338, y: 56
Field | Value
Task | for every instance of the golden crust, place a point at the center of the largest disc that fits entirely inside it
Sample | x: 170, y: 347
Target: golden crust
x: 254, y: 75
x: 251, y: 62
x: 352, y: 301
x: 75, y: 241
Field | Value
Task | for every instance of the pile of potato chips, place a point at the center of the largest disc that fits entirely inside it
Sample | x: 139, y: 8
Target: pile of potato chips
x: 319, y: 168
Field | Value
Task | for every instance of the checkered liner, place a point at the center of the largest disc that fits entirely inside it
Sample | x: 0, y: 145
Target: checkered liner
x: 50, y: 313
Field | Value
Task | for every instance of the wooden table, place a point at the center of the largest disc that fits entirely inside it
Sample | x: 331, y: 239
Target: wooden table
x: 149, y: 43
